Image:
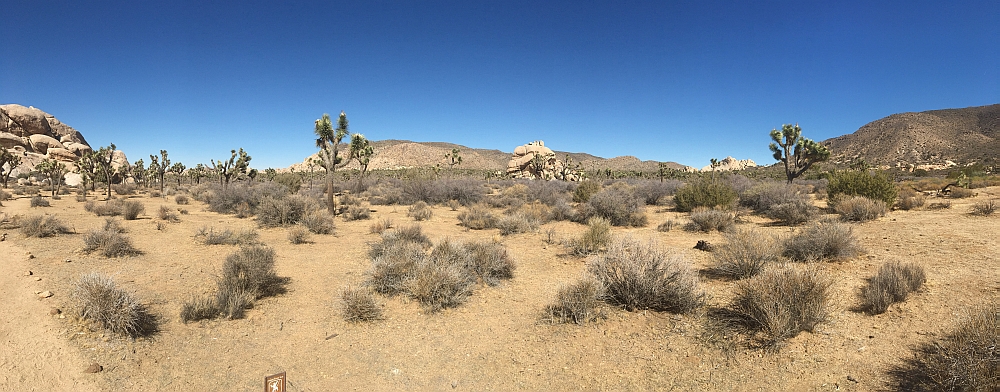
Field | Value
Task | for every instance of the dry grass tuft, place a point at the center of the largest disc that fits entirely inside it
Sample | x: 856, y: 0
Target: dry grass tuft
x: 298, y: 235
x: 823, y: 240
x: 168, y: 214
x: 42, y: 226
x: 420, y: 211
x: 381, y: 226
x: 984, y: 208
x: 745, y: 254
x: 578, y: 303
x: 638, y: 275
x: 439, y: 286
x: 706, y: 220
x: 597, y: 236
x: 477, y: 217
x: 111, y: 243
x: 781, y: 302
x: 893, y: 283
x: 319, y: 222
x: 199, y: 308
x: 359, y: 305
x: 111, y: 307
x: 516, y: 223
x: 247, y: 275
x: 860, y: 209
x: 209, y: 236
x: 357, y: 212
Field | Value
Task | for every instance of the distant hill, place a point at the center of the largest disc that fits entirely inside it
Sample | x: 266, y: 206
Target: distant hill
x: 962, y: 136
x: 399, y: 154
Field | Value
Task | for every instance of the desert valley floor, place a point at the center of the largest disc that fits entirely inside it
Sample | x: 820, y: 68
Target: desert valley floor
x: 495, y: 341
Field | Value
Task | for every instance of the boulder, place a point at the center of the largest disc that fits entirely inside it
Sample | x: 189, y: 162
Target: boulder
x: 38, y: 135
x: 72, y: 179
x: 534, y: 160
x: 61, y: 154
x: 77, y: 148
x: 42, y: 143
x: 730, y: 164
x: 9, y: 141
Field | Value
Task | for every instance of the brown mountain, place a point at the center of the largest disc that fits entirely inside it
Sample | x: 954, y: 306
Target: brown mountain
x: 962, y: 136
x: 398, y: 154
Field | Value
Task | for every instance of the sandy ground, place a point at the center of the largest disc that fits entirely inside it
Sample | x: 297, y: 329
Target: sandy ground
x: 493, y: 342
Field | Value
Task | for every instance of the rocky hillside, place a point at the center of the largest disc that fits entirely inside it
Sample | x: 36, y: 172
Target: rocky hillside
x: 399, y: 154
x: 928, y: 139
x: 36, y: 135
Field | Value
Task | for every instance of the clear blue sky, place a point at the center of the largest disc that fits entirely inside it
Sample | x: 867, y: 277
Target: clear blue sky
x: 670, y: 81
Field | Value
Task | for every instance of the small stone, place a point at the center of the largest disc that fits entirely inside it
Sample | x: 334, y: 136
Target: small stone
x: 29, y: 273
x: 38, y: 279
x: 454, y: 384
x: 30, y: 256
x: 45, y: 294
x: 94, y: 368
x: 69, y: 261
x: 54, y: 311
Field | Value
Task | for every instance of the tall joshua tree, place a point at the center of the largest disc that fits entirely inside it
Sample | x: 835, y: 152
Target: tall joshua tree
x: 233, y: 167
x: 178, y: 170
x: 104, y: 159
x: 161, y: 166
x: 328, y: 140
x: 86, y: 167
x: 796, y: 152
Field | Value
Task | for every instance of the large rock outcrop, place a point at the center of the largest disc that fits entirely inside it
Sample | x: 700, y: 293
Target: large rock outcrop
x: 534, y: 160
x: 36, y: 135
x: 730, y: 164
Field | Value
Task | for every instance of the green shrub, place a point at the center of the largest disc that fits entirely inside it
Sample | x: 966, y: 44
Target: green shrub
x: 704, y: 193
x: 585, y: 190
x: 893, y: 283
x: 578, y: 303
x: 111, y: 307
x: 638, y: 276
x: 745, y: 254
x: 620, y: 204
x: 875, y: 186
x: 597, y: 236
x: 781, y: 302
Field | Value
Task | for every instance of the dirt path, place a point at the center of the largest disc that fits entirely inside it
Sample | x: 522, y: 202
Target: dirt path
x: 33, y: 357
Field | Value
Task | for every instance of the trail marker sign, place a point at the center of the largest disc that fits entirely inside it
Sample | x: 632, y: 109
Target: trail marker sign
x: 275, y: 383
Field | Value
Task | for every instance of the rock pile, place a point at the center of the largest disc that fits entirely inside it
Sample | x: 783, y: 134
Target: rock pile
x: 535, y: 161
x: 36, y: 135
x: 730, y: 164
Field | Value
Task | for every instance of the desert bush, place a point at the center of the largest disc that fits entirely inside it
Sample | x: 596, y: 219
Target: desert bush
x: 199, y: 308
x: 111, y: 307
x: 419, y: 211
x: 704, y: 193
x: 393, y: 263
x: 706, y: 220
x: 453, y: 204
x: 438, y: 286
x: 38, y: 201
x: 181, y: 199
x: 910, y: 200
x: 43, y: 226
x: 666, y: 226
x: 466, y: 191
x: 298, y: 235
x: 131, y: 209
x: 823, y: 240
x: 359, y: 305
x: 779, y: 303
x: 477, y: 217
x: 386, y: 192
x: 984, y: 208
x: 391, y: 238
x: 112, y: 224
x: 786, y: 203
x: 81, y: 198
x: 154, y: 194
x: 358, y: 213
x: 380, y: 226
x: 745, y: 254
x: 8, y: 222
x: 319, y: 222
x: 240, y: 196
x: 274, y: 211
x: 4, y: 195
x: 124, y: 189
x: 638, y: 275
x: 597, y: 236
x: 109, y: 208
x: 489, y: 261
x: 875, y: 186
x: 548, y: 192
x: 964, y: 360
x: 960, y: 193
x: 516, y: 223
x: 209, y: 236
x: 893, y: 283
x: 578, y: 303
x: 561, y: 211
x: 168, y: 214
x: 944, y: 205
x: 535, y: 211
x: 792, y: 213
x: 656, y: 192
x: 620, y: 205
x: 860, y: 208
x: 247, y: 274
x: 412, y: 233
x: 585, y: 190
x: 111, y: 243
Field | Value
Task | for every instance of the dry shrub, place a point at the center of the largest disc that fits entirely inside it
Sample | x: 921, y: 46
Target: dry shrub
x: 154, y: 194
x: 109, y: 208
x: 298, y: 235
x: 561, y: 211
x: 704, y: 193
x: 745, y: 254
x: 81, y: 198
x: 960, y: 193
x: 860, y: 208
x: 781, y: 302
x: 380, y: 226
x: 516, y: 223
x: 910, y: 200
x: 656, y: 192
x: 706, y: 220
x: 453, y: 204
x: 42, y: 226
x: 243, y: 210
x: 358, y: 213
x: 112, y: 224
x: 620, y: 204
x: 282, y: 211
x: 38, y: 201
x: 199, y: 308
x: 8, y: 222
x: 666, y: 226
x: 319, y: 222
x: 111, y: 243
x: 124, y: 189
x: 638, y: 275
x: 893, y: 283
x: 535, y: 211
x: 393, y: 263
x: 359, y: 305
x: 209, y: 236
x: 439, y: 286
x: 965, y: 359
x: 168, y: 214
x: 766, y: 195
x: 823, y: 240
x: 181, y: 199
x: 4, y: 195
x: 411, y: 233
x: 984, y: 208
x: 597, y: 236
x: 420, y: 211
x: 578, y: 303
x: 247, y: 275
x: 489, y: 261
x: 477, y: 217
x: 792, y: 213
x: 944, y: 205
x: 111, y: 307
x: 585, y: 190
x: 131, y: 209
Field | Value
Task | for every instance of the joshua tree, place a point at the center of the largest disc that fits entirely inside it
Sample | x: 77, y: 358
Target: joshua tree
x: 10, y: 160
x: 270, y: 173
x: 178, y: 170
x: 198, y: 172
x: 86, y: 167
x: 715, y: 165
x: 139, y: 172
x: 453, y: 158
x: 361, y: 151
x: 234, y: 166
x: 328, y: 140
x: 104, y: 159
x: 54, y: 171
x: 796, y: 152
x: 662, y: 170
x: 159, y: 167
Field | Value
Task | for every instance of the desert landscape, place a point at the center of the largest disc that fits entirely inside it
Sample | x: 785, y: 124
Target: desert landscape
x: 530, y: 270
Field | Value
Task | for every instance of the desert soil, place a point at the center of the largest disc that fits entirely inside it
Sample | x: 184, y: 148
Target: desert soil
x: 495, y: 341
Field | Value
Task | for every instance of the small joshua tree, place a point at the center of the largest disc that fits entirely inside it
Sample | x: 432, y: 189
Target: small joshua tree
x: 9, y: 160
x: 104, y: 159
x: 796, y: 152
x: 178, y: 170
x: 361, y: 151
x: 54, y: 171
x: 453, y: 158
x: 233, y: 167
x: 86, y: 167
x: 159, y: 166
x: 198, y: 172
x: 328, y: 140
x: 139, y: 172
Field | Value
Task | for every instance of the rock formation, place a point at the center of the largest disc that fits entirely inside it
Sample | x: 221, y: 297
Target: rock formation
x: 730, y: 164
x: 534, y: 160
x: 36, y: 135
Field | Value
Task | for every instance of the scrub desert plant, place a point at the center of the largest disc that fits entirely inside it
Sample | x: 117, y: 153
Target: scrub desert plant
x: 111, y: 307
x: 420, y: 211
x: 781, y: 302
x: 893, y: 283
x: 597, y: 236
x: 638, y: 275
x: 578, y: 303
x: 110, y: 242
x: 824, y: 240
x: 42, y: 226
x: 706, y: 220
x: 860, y: 208
x: 745, y: 254
x: 359, y: 305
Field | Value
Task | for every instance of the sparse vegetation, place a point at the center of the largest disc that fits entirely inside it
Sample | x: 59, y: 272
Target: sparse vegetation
x: 893, y: 283
x: 209, y: 236
x: 357, y: 213
x: 823, y: 240
x: 110, y: 242
x: 910, y: 200
x: 477, y: 217
x: 620, y: 205
x: 359, y: 305
x: 199, y: 308
x: 111, y: 307
x: 860, y: 209
x: 597, y: 236
x: 419, y: 211
x: 39, y: 201
x: 781, y: 302
x: 380, y: 226
x: 515, y: 223
x: 319, y: 222
x: 745, y: 254
x: 578, y: 303
x: 706, y: 220
x: 666, y: 226
x: 638, y: 275
x: 298, y: 235
x: 247, y: 275
x: 585, y: 190
x: 42, y: 226
x: 168, y: 214
x: 984, y: 208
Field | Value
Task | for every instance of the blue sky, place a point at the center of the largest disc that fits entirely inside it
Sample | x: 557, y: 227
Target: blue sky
x: 669, y: 81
